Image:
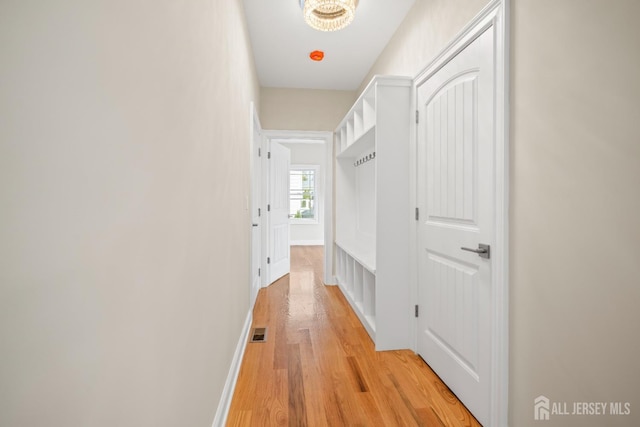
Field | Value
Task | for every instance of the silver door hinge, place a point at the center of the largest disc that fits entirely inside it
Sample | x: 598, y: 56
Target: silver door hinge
x: 417, y: 214
x: 269, y: 155
x: 416, y: 310
x: 259, y: 153
x: 258, y: 272
x: 268, y: 260
x: 268, y: 208
x: 417, y: 116
x: 259, y: 212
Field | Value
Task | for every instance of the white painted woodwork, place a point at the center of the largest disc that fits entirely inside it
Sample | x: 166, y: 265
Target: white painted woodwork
x: 456, y: 193
x: 289, y: 137
x: 279, y: 212
x: 255, y: 205
x: 372, y: 210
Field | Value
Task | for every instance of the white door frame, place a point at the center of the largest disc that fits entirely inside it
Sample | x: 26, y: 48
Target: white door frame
x: 254, y: 126
x: 494, y: 14
x: 292, y: 136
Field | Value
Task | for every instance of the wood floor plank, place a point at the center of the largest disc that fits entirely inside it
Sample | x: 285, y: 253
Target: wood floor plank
x: 429, y: 417
x: 356, y: 373
x: 297, y: 401
x: 240, y: 419
x: 443, y: 402
x: 318, y: 366
x: 313, y: 390
x: 272, y: 401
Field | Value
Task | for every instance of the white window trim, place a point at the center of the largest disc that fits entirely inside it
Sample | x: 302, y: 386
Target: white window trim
x: 318, y: 205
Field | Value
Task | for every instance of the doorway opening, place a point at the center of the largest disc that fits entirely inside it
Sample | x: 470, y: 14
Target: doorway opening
x: 309, y: 184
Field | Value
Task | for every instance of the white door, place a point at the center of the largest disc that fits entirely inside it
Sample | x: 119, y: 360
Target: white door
x: 278, y: 210
x: 256, y: 198
x: 455, y: 185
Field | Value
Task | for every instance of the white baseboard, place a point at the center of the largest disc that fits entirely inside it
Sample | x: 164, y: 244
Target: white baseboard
x: 307, y: 243
x: 230, y: 385
x: 334, y: 281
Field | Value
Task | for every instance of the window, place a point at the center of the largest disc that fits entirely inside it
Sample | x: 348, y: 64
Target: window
x: 302, y: 194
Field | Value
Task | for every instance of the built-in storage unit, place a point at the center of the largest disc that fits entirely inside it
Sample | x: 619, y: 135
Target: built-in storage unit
x: 372, y: 210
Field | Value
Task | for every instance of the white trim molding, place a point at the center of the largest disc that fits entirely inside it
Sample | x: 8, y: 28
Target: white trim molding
x: 254, y: 127
x: 307, y: 242
x: 232, y: 377
x: 496, y: 15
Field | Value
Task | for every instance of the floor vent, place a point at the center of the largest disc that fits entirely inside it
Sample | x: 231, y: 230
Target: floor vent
x: 259, y: 335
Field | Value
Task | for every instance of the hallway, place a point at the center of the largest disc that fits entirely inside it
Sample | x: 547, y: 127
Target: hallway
x: 318, y: 366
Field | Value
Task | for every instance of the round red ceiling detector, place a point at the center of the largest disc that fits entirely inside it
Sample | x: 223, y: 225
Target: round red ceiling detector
x: 317, y: 55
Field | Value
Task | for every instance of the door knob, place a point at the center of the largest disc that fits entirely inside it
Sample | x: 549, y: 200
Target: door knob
x: 484, y: 251
x: 254, y: 224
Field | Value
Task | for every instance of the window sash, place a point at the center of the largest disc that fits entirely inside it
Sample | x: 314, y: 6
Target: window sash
x: 302, y: 194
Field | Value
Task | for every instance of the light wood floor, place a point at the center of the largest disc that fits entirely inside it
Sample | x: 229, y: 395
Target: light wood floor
x: 318, y: 366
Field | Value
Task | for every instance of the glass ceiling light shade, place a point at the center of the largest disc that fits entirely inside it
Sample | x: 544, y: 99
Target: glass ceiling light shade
x: 328, y: 15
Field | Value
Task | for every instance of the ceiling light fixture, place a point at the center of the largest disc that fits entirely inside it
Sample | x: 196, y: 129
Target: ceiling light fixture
x: 328, y: 15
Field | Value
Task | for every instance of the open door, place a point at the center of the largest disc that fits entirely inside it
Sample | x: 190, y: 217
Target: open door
x: 256, y: 200
x: 278, y: 259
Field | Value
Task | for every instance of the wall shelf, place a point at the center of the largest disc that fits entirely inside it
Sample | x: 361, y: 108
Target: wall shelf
x: 372, y: 210
x: 365, y: 143
x: 363, y: 255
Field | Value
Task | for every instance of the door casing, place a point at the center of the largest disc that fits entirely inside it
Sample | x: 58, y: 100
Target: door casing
x: 255, y: 248
x: 292, y: 137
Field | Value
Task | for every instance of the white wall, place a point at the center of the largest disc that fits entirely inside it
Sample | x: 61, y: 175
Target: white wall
x: 426, y: 30
x: 575, y: 234
x: 123, y: 230
x: 575, y: 175
x: 304, y: 109
x: 310, y: 154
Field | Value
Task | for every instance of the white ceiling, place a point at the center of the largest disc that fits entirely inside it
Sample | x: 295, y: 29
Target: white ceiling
x: 282, y: 42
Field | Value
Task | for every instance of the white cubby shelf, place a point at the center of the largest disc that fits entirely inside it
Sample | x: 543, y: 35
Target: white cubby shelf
x: 365, y: 143
x: 372, y: 210
x: 358, y: 284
